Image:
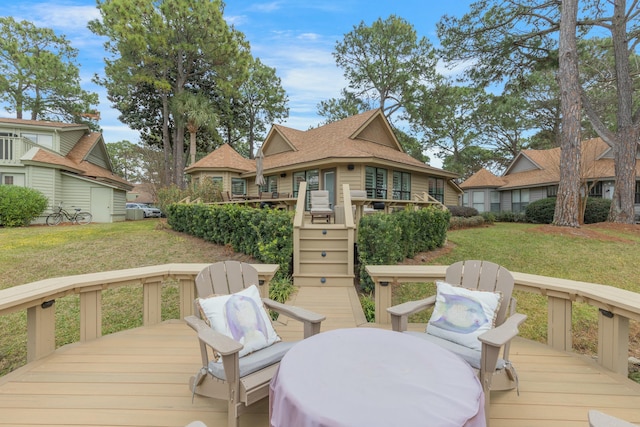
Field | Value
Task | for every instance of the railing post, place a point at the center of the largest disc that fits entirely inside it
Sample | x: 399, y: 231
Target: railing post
x: 90, y: 314
x: 41, y: 330
x: 559, y: 323
x: 383, y: 301
x: 152, y: 311
x: 187, y: 290
x: 613, y: 342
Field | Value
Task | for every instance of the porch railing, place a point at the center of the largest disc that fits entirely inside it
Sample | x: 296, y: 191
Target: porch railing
x: 13, y: 148
x: 615, y: 306
x: 38, y: 299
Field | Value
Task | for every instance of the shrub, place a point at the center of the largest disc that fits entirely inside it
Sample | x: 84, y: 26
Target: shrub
x: 207, y: 191
x: 509, y: 216
x: 489, y: 217
x: 597, y: 210
x: 541, y: 211
x: 463, y: 211
x: 368, y: 304
x: 20, y: 205
x: 459, y: 222
x: 389, y: 239
x: 265, y: 234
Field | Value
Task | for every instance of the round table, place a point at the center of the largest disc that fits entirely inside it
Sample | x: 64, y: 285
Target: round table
x: 372, y: 377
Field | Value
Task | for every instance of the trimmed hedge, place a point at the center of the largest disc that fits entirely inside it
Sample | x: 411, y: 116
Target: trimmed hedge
x: 265, y: 234
x: 20, y: 205
x: 542, y: 211
x: 389, y: 239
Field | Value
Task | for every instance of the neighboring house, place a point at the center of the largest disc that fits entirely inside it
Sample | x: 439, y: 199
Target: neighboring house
x: 535, y: 175
x: 361, y: 151
x: 68, y: 163
x: 143, y: 193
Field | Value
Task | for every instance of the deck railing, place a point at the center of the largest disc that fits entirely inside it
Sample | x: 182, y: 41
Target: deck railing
x: 38, y: 299
x: 615, y: 306
x: 13, y: 148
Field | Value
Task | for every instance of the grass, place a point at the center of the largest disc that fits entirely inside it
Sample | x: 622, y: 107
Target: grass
x: 35, y: 253
x: 599, y: 255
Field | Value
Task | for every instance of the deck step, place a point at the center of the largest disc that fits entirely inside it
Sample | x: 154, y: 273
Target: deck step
x: 330, y: 280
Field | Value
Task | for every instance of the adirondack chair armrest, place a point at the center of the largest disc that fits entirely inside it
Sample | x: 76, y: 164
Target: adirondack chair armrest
x: 195, y: 323
x: 500, y: 335
x: 310, y: 319
x: 400, y: 313
x: 221, y: 343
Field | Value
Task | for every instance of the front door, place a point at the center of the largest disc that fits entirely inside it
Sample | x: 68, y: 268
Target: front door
x: 329, y: 182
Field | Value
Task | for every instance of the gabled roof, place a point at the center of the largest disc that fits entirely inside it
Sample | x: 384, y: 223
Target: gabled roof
x: 535, y: 168
x: 224, y: 158
x: 483, y: 178
x: 364, y: 137
x: 77, y: 160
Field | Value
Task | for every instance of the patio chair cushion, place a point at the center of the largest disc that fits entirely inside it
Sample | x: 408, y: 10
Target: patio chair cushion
x: 472, y: 357
x: 241, y: 316
x: 461, y: 315
x: 255, y: 361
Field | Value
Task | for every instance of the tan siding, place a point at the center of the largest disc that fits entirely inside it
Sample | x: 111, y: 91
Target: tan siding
x: 419, y: 184
x: 277, y: 145
x: 450, y: 195
x: 377, y: 132
x: 355, y: 179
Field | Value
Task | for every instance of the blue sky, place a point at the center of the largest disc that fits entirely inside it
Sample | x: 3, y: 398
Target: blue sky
x: 295, y: 37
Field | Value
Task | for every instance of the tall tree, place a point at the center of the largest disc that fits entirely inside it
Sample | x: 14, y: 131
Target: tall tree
x: 445, y: 117
x: 264, y: 101
x: 195, y: 111
x: 39, y: 74
x: 506, y: 38
x: 347, y: 105
x: 385, y: 62
x: 126, y: 159
x: 168, y: 47
x: 567, y: 210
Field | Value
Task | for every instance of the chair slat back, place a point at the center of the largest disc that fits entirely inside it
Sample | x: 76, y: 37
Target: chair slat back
x: 225, y: 277
x: 320, y: 199
x: 483, y: 276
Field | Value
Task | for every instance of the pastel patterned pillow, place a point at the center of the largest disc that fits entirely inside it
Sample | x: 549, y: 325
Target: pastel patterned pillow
x: 241, y: 316
x: 461, y: 315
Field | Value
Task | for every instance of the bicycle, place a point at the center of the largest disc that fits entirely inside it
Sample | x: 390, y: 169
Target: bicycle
x: 79, y: 217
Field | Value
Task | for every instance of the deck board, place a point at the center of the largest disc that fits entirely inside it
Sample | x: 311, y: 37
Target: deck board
x: 139, y: 378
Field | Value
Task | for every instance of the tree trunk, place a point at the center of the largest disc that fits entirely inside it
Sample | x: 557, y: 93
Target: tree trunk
x: 567, y: 210
x: 166, y: 141
x: 625, y: 148
x: 192, y: 147
x: 624, y: 152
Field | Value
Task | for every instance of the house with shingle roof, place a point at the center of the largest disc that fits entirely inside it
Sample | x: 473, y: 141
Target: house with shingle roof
x: 535, y: 175
x: 66, y: 162
x: 361, y: 151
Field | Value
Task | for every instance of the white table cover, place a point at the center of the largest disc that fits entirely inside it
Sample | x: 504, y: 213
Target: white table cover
x: 372, y: 377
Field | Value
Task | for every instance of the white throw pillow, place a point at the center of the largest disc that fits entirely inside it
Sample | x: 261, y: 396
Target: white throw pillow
x: 461, y: 315
x: 241, y: 316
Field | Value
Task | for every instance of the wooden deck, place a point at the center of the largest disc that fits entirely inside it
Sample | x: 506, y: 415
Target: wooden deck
x: 139, y: 378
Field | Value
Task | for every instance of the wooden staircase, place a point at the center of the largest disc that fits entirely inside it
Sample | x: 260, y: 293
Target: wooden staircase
x: 323, y: 254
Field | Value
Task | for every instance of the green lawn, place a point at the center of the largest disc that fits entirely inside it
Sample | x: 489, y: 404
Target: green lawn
x: 35, y: 253
x: 596, y: 254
